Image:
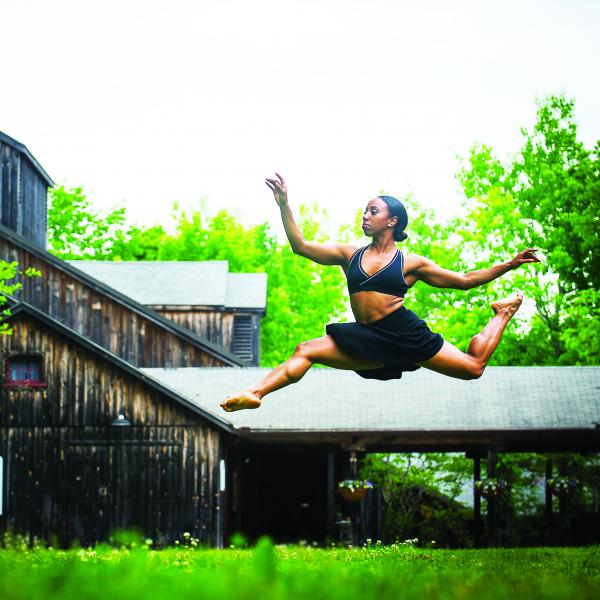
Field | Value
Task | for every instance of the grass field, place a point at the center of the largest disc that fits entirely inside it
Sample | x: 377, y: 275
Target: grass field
x: 399, y: 571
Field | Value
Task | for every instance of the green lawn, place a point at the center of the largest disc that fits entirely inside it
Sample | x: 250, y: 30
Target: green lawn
x: 397, y: 571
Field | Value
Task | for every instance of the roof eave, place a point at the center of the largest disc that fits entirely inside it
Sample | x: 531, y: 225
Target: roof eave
x: 24, y: 307
x: 574, y: 439
x: 23, y: 149
x: 228, y: 357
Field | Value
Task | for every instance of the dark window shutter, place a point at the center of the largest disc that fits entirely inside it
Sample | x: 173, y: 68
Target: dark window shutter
x: 242, y: 337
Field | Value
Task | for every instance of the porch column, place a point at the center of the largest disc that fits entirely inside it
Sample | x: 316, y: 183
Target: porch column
x: 491, y: 502
x: 477, y: 501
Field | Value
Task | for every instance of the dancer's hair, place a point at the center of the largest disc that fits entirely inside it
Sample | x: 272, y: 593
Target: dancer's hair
x: 396, y: 209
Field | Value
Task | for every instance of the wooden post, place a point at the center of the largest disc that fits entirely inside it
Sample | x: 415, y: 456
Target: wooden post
x: 355, y: 505
x: 562, y: 499
x: 491, y: 503
x: 330, y: 497
x: 477, y: 501
x: 548, y: 499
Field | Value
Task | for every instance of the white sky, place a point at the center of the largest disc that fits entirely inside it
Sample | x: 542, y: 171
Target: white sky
x: 143, y: 103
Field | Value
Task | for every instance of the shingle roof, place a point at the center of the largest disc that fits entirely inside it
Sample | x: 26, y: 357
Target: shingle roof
x: 18, y: 308
x: 183, y: 333
x: 505, y: 398
x: 183, y: 283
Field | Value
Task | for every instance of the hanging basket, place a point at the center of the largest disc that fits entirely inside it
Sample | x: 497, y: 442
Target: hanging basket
x: 354, y: 490
x: 352, y: 495
x: 492, y: 488
x: 562, y: 487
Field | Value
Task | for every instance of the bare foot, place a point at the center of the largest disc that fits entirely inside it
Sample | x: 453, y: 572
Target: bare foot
x: 240, y: 401
x: 508, y: 306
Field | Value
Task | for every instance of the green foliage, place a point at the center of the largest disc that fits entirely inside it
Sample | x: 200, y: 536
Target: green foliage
x: 418, y: 493
x: 8, y: 272
x: 548, y: 197
x: 373, y: 572
x: 76, y: 230
x: 302, y: 296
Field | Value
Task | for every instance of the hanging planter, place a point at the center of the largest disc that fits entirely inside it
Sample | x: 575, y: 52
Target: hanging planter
x: 562, y: 486
x: 354, y: 490
x: 491, y: 488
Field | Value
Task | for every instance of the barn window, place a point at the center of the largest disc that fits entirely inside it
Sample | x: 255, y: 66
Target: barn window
x: 242, y: 337
x: 25, y: 370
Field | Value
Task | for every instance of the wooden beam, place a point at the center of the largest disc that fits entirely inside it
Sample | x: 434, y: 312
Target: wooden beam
x: 477, y: 501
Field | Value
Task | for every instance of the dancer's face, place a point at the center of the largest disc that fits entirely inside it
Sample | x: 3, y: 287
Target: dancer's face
x: 376, y: 217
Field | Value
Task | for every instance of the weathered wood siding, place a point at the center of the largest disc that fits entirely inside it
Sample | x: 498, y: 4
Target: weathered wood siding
x: 69, y: 473
x: 219, y: 328
x: 216, y: 326
x: 96, y: 315
x: 22, y: 196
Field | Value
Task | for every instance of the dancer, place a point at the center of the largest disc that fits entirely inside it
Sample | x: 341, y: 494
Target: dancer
x: 387, y: 338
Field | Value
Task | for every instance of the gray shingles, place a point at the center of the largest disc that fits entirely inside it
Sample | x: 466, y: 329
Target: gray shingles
x: 183, y: 283
x: 246, y: 290
x: 332, y: 400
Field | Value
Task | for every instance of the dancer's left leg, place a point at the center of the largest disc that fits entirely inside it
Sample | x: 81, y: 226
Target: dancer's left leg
x: 323, y: 351
x: 471, y: 364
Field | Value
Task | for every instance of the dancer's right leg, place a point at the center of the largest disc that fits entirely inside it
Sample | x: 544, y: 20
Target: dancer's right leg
x: 323, y: 351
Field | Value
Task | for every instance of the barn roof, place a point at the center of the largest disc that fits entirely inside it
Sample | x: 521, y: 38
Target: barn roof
x: 19, y: 308
x: 555, y: 403
x: 180, y: 283
x: 5, y: 139
x: 182, y: 332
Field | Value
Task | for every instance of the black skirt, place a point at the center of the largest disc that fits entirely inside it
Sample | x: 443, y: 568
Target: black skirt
x: 398, y: 341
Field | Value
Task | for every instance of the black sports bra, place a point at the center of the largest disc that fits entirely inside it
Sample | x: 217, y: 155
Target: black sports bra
x: 388, y: 280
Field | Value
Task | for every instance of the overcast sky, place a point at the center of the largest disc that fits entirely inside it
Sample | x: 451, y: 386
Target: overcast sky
x: 143, y: 103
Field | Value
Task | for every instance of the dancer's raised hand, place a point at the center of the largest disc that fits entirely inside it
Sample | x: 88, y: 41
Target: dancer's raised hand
x: 525, y: 256
x: 277, y: 186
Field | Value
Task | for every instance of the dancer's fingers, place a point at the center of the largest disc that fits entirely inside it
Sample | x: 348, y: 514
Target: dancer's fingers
x: 280, y: 178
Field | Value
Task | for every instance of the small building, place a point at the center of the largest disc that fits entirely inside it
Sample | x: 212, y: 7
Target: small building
x: 292, y: 451
x: 201, y: 296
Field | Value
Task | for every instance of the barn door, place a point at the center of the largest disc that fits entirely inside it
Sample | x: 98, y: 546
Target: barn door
x: 89, y: 496
x: 121, y: 485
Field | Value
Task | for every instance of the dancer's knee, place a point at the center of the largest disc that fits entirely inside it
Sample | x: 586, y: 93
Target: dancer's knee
x: 305, y: 350
x: 302, y: 350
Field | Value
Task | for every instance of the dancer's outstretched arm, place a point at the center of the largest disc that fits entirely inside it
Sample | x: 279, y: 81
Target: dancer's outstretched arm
x: 324, y: 254
x: 436, y: 276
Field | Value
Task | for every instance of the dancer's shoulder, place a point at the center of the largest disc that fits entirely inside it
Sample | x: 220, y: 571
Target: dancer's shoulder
x: 414, y: 262
x: 329, y: 253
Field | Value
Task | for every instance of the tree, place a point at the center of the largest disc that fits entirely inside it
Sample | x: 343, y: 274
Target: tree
x: 547, y: 196
x: 76, y: 230
x: 301, y: 295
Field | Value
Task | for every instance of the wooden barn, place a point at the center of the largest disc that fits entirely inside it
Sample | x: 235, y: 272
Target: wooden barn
x: 69, y: 369
x: 90, y: 443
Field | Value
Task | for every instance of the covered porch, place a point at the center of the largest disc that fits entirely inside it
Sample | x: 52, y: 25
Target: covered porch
x: 284, y: 466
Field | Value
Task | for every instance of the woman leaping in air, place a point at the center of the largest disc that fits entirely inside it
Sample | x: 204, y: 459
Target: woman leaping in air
x: 387, y: 338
